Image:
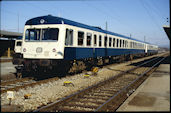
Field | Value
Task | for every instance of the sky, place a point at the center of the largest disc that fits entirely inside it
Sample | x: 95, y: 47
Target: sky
x: 140, y: 19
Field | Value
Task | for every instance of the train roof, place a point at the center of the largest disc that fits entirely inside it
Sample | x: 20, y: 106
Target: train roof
x: 58, y: 20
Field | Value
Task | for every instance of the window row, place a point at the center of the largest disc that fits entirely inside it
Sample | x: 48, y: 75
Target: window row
x: 136, y: 45
x: 112, y: 42
x: 152, y: 47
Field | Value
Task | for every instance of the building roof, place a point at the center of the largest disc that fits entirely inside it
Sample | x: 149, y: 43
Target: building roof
x: 9, y: 34
x: 3, y: 38
x: 167, y: 30
x: 58, y: 20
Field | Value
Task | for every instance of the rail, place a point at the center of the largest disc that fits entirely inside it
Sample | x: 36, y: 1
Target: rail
x: 103, y: 106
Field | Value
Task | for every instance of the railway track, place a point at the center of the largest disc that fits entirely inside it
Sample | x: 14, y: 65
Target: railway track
x: 5, y: 83
x: 107, y: 95
x: 17, y: 84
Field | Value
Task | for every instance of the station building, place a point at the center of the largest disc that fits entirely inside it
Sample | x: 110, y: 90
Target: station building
x: 167, y: 30
x: 7, y: 42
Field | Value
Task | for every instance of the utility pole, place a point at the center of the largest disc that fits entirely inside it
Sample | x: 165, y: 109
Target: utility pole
x: 144, y: 38
x: 18, y: 22
x: 106, y: 25
x: 59, y: 14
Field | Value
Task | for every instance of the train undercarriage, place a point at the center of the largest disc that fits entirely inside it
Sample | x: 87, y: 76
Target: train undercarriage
x: 33, y: 67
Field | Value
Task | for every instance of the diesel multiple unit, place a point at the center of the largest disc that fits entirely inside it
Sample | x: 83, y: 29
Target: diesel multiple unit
x: 48, y: 42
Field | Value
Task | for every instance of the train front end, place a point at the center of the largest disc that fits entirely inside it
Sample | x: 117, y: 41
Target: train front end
x: 42, y: 45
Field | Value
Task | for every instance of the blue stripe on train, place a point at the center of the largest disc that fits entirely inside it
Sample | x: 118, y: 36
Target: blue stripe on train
x: 151, y: 51
x: 71, y: 53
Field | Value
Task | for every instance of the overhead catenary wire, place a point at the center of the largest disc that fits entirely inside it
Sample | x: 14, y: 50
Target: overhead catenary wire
x: 14, y: 13
x: 18, y: 29
x: 113, y: 17
x: 107, y: 14
x: 117, y: 17
x: 153, y: 20
x: 150, y: 15
x: 155, y: 10
x: 37, y: 7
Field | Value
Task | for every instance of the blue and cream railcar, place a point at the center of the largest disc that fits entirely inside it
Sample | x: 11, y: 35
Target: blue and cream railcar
x: 152, y: 49
x: 48, y: 38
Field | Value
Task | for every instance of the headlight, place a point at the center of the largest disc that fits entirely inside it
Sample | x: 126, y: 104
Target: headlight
x: 24, y: 50
x: 53, y: 50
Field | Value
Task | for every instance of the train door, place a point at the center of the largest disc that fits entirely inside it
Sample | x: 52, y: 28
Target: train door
x: 105, y: 45
x: 146, y: 48
x: 69, y: 37
x: 94, y: 45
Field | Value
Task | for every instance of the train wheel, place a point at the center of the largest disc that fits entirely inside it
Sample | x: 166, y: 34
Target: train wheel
x: 131, y: 57
x: 100, y: 62
x: 81, y: 66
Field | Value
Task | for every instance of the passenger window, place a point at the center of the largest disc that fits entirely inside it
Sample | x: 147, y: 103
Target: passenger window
x: 126, y: 44
x: 95, y: 40
x: 105, y: 42
x: 117, y: 44
x: 110, y: 42
x: 132, y: 44
x: 69, y: 37
x: 88, y: 39
x: 100, y: 41
x: 123, y: 44
x: 113, y: 42
x: 120, y: 43
x: 80, y: 37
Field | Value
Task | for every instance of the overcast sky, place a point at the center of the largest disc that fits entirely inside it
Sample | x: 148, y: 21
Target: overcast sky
x: 138, y: 18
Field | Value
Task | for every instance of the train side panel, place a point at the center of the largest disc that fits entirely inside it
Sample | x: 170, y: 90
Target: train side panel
x: 71, y: 53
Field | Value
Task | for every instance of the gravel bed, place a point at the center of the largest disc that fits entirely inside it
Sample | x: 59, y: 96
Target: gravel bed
x: 51, y: 91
